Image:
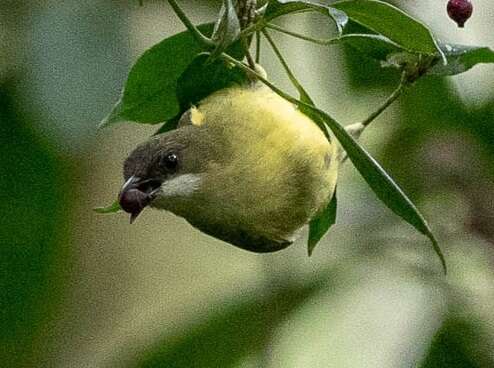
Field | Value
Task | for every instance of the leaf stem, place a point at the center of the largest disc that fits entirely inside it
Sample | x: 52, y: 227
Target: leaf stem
x: 282, y: 60
x: 391, y: 98
x: 248, y: 55
x: 203, y: 41
x: 262, y: 23
x: 303, y: 95
x: 258, y: 47
x: 244, y: 67
x: 324, y: 42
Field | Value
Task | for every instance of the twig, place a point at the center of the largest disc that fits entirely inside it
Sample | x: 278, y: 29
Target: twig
x: 204, y: 41
x: 392, y: 97
x: 246, y: 13
x: 318, y: 41
x: 248, y: 55
x: 288, y: 71
x: 304, y: 96
x: 258, y: 47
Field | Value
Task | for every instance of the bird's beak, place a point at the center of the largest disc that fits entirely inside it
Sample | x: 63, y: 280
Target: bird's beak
x: 136, y: 194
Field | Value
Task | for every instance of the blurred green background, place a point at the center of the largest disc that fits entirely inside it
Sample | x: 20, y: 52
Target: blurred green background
x: 78, y: 289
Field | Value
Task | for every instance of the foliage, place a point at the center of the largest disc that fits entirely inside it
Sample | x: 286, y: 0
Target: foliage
x: 34, y: 196
x: 173, y: 74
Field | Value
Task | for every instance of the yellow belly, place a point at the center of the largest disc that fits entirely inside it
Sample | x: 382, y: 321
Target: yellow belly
x: 280, y: 169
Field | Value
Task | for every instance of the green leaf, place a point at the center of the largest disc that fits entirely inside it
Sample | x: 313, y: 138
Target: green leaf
x: 392, y: 23
x: 320, y: 225
x: 204, y: 77
x: 112, y: 208
x: 375, y: 46
x: 461, y: 58
x: 169, y: 125
x: 114, y: 116
x: 277, y: 8
x: 380, y: 182
x: 149, y: 93
x: 149, y: 96
x: 227, y: 29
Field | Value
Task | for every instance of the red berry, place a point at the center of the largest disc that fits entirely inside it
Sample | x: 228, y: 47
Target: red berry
x: 460, y: 11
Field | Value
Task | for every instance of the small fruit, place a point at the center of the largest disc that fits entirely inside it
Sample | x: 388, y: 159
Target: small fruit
x: 133, y: 201
x: 460, y: 11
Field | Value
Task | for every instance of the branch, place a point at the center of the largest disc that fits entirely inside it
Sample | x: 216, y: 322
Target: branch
x: 282, y: 60
x: 246, y: 13
x: 392, y: 97
x: 258, y: 47
x: 324, y: 42
x: 202, y: 40
x: 356, y: 130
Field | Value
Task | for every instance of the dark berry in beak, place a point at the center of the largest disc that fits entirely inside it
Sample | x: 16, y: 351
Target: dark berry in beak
x: 136, y: 194
x: 133, y: 201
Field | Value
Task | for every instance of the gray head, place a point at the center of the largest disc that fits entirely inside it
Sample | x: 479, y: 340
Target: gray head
x: 168, y: 165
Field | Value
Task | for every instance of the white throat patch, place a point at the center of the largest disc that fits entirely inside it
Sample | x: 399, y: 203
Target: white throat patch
x: 181, y: 186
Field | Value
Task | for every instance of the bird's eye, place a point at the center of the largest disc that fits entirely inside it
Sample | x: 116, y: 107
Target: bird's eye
x: 169, y: 162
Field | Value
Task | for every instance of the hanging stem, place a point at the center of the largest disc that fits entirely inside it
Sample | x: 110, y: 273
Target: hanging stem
x: 304, y: 96
x: 392, y: 97
x: 318, y: 41
x: 248, y: 55
x: 282, y: 60
x: 258, y: 47
x: 246, y: 13
x: 257, y: 26
x: 356, y: 130
x: 204, y: 41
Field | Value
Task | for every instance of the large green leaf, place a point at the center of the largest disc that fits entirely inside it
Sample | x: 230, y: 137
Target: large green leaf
x: 149, y: 93
x: 227, y: 28
x: 391, y: 22
x: 320, y: 225
x: 380, y: 182
x: 277, y: 8
x: 203, y: 77
x: 37, y: 196
x: 461, y: 58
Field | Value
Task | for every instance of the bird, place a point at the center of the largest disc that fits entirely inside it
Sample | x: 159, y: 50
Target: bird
x: 244, y: 165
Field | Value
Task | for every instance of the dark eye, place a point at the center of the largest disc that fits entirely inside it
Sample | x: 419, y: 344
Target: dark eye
x: 169, y: 162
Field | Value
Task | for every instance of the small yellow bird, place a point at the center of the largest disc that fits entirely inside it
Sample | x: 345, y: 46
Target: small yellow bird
x: 245, y: 166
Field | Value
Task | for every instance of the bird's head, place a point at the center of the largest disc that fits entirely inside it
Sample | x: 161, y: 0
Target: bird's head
x: 167, y: 167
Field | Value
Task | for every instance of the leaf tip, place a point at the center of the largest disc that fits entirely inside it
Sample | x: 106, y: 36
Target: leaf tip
x: 113, y: 117
x: 310, y: 248
x: 113, y: 208
x: 438, y: 251
x: 442, y: 259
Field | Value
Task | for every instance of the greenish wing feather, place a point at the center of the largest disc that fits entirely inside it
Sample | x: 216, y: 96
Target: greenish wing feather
x: 243, y: 239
